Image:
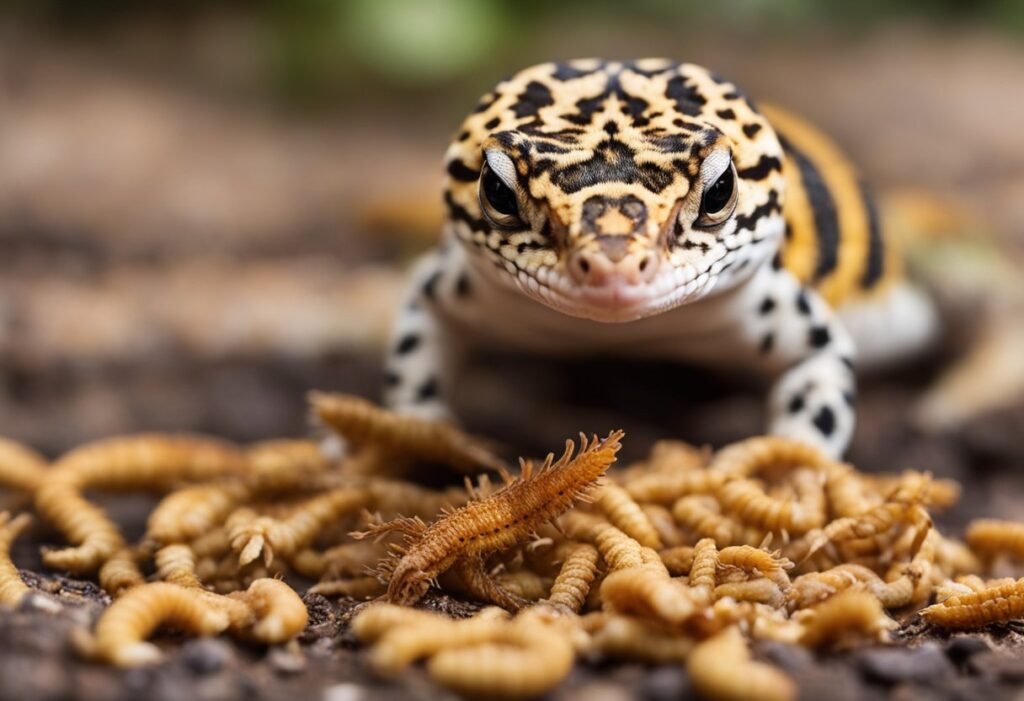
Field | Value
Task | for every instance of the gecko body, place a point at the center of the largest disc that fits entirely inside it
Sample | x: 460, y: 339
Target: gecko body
x: 649, y: 209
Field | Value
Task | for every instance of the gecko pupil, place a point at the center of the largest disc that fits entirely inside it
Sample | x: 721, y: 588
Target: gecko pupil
x: 498, y: 194
x: 718, y: 195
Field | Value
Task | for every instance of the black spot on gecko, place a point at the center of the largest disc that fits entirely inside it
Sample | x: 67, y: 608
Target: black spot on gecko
x: 850, y: 398
x: 460, y: 171
x: 767, y: 343
x: 848, y: 362
x: 762, y: 169
x: 430, y: 286
x: 726, y: 114
x: 825, y: 421
x: 766, y: 306
x: 407, y: 344
x: 491, y: 123
x: 750, y: 130
x: 777, y: 261
x: 796, y: 404
x: 462, y: 288
x: 428, y: 390
x: 392, y: 379
x: 819, y: 337
x: 803, y: 305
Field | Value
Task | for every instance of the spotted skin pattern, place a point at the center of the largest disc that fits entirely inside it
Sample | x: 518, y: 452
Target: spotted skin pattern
x: 649, y: 209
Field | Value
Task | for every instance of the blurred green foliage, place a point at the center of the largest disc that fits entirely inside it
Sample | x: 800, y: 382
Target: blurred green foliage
x: 320, y: 47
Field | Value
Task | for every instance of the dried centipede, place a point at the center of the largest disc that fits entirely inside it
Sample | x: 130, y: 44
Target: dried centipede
x: 496, y: 523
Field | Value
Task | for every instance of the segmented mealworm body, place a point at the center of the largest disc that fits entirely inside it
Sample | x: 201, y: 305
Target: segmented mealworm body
x: 361, y: 422
x: 498, y: 522
x: 846, y: 619
x: 123, y: 628
x: 678, y: 560
x: 20, y: 467
x: 626, y: 515
x: 760, y: 453
x: 575, y: 576
x: 702, y: 516
x: 752, y: 506
x: 279, y: 612
x: 618, y: 550
x: 192, y: 511
x: 1004, y: 602
x: 648, y: 592
x: 988, y: 537
x: 762, y: 591
x: 721, y: 669
x: 295, y: 531
x: 282, y: 465
x: 702, y: 570
x: 120, y: 572
x: 12, y: 588
x: 150, y: 462
x: 177, y: 564
x: 751, y: 559
x: 625, y: 637
x: 667, y: 488
x: 523, y: 661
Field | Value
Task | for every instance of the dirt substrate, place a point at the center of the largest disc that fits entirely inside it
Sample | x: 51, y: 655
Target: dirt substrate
x: 37, y: 660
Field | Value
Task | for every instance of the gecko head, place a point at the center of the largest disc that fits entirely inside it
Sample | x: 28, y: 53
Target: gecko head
x: 615, y: 191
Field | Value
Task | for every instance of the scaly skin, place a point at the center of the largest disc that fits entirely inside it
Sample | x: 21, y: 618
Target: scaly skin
x: 649, y: 209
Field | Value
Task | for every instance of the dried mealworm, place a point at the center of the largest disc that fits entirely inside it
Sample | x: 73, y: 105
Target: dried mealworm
x: 763, y: 591
x: 177, y: 564
x: 846, y: 492
x: 813, y: 587
x: 498, y: 522
x: 192, y: 511
x: 375, y: 620
x: 847, y: 618
x: 366, y: 587
x: 761, y: 453
x: 575, y: 577
x: 626, y: 515
x: 151, y: 462
x: 1000, y: 603
x: 649, y: 593
x: 678, y: 560
x: 290, y: 534
x: 283, y: 465
x: 122, y: 630
x: 524, y: 584
x: 702, y: 516
x: 20, y: 467
x: 751, y: 559
x: 120, y: 572
x: 618, y: 550
x: 12, y: 589
x: 280, y: 613
x: 704, y: 566
x: 988, y: 537
x: 721, y: 669
x: 661, y: 518
x: 522, y: 661
x: 624, y: 637
x: 667, y: 488
x: 751, y: 505
x: 392, y: 498
x: 361, y: 422
x: 401, y: 645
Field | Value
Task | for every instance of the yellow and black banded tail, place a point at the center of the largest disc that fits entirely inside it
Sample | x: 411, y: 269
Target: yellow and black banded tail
x: 833, y: 239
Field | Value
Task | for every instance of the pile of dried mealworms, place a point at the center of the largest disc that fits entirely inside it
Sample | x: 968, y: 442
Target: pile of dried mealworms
x: 685, y: 557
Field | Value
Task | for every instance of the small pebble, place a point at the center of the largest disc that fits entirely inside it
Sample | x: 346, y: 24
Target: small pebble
x: 668, y: 683
x: 285, y: 661
x: 926, y: 663
x: 791, y: 658
x: 206, y: 655
x: 1008, y: 668
x: 344, y: 692
x: 961, y: 648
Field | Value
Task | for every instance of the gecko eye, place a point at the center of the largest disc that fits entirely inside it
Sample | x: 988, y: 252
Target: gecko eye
x: 497, y: 199
x: 719, y: 200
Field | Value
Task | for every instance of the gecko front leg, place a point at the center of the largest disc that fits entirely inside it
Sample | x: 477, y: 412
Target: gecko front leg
x: 813, y: 398
x: 423, y: 357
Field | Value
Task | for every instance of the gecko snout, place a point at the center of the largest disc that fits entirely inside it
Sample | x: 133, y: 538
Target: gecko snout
x: 610, y: 263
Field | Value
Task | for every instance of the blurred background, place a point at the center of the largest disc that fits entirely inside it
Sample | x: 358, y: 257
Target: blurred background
x: 206, y: 206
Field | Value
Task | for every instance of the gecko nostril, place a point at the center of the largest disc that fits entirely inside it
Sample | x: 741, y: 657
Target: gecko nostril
x: 584, y: 265
x: 644, y: 263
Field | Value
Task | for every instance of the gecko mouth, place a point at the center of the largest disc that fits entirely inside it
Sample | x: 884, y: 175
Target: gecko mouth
x: 617, y: 302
